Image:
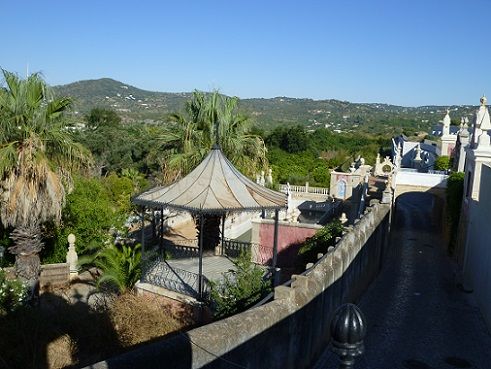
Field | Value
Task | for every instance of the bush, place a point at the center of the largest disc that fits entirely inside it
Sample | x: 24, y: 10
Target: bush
x: 320, y: 242
x: 13, y: 294
x: 94, y: 210
x: 240, y: 288
x: 442, y: 163
x: 120, y: 266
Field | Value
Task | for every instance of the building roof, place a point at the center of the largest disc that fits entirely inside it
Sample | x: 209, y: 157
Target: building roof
x: 214, y: 186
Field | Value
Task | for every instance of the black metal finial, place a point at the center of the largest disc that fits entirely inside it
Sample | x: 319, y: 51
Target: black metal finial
x: 348, y: 329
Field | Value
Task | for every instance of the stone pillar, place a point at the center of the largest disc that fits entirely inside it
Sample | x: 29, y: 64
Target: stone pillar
x: 72, y: 257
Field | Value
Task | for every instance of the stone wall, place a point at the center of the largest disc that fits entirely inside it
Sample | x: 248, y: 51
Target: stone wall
x: 289, y: 332
x: 52, y: 275
x: 477, y: 260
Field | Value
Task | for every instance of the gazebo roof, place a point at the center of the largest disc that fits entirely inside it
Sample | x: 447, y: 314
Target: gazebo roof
x: 215, y: 186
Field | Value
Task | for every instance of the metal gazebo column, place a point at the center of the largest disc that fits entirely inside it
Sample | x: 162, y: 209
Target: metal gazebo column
x: 161, y: 232
x: 223, y: 235
x: 275, y: 247
x: 143, y: 229
x: 200, y: 272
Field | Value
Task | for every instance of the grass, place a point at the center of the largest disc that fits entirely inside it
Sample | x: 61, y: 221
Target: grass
x: 56, y: 334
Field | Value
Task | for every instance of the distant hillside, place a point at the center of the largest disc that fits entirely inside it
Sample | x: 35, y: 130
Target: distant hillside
x: 134, y: 104
x: 130, y: 102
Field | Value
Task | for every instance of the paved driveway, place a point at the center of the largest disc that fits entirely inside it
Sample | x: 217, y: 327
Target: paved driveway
x: 418, y: 317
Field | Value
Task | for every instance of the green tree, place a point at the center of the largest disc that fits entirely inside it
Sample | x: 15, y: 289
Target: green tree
x: 37, y: 156
x: 442, y: 163
x: 292, y: 139
x: 211, y: 118
x: 89, y: 214
x: 107, y: 139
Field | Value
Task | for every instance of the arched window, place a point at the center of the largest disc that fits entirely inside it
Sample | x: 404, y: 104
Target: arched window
x: 341, y: 188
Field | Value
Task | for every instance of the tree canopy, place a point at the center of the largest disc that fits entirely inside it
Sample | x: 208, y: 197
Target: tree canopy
x: 37, y: 152
x: 210, y: 119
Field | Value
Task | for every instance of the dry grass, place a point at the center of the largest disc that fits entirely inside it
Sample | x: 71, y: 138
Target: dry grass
x: 138, y: 319
x: 57, y: 334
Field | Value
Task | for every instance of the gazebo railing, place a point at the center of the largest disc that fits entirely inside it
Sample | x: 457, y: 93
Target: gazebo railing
x: 159, y: 273
x: 233, y: 248
x: 182, y: 249
x: 261, y: 255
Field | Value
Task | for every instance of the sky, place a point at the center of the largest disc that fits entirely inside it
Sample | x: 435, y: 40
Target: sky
x: 402, y: 52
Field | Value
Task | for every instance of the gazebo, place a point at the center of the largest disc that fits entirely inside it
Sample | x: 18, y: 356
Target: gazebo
x: 213, y: 189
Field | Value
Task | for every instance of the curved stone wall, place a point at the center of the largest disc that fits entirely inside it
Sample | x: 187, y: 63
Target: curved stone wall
x: 289, y: 332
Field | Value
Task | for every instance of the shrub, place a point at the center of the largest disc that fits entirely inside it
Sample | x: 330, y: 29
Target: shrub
x: 94, y: 210
x: 320, y: 241
x: 13, y: 294
x: 442, y: 163
x: 120, y: 266
x: 239, y: 289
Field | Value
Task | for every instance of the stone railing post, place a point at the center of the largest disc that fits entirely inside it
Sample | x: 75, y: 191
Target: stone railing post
x: 72, y: 257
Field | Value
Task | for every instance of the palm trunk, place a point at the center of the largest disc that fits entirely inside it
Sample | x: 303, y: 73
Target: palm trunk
x: 28, y: 269
x: 26, y: 248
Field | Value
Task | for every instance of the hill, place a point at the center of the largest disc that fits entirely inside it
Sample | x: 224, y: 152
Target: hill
x: 135, y: 104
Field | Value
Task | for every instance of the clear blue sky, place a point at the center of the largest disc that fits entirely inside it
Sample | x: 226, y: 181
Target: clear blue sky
x: 405, y: 52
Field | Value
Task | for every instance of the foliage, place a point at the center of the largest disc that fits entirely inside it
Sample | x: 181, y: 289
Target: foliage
x: 89, y: 214
x: 442, y: 163
x: 209, y: 119
x: 320, y: 241
x: 5, y: 243
x: 100, y: 119
x: 120, y: 190
x: 37, y: 152
x: 13, y: 294
x: 290, y: 139
x: 239, y: 289
x: 298, y: 168
x: 454, y: 192
x: 114, y: 145
x: 97, y: 208
x: 324, y: 150
x: 120, y: 266
x: 37, y: 157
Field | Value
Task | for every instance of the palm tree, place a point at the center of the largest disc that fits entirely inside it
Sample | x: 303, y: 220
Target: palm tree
x: 209, y: 119
x: 37, y: 156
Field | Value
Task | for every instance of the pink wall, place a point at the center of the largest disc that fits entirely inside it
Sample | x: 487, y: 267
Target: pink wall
x: 290, y: 239
x: 451, y: 150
